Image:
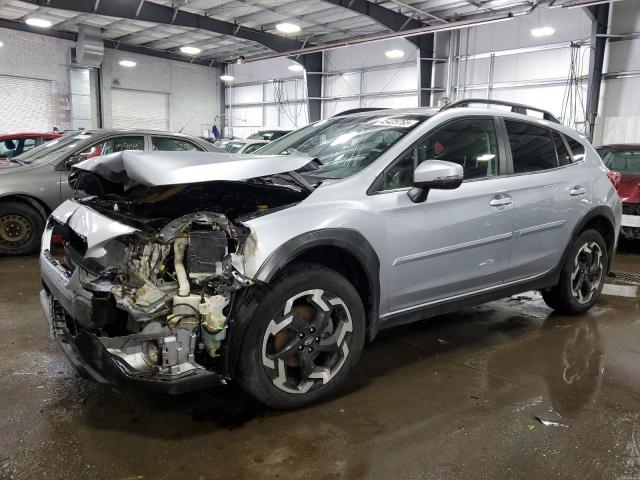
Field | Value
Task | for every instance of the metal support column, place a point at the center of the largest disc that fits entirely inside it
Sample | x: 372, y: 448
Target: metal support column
x: 599, y: 15
x: 223, y: 102
x: 426, y: 55
x: 313, y: 78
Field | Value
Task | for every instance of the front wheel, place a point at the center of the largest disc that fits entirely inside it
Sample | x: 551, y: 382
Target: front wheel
x: 583, y: 275
x: 303, y: 339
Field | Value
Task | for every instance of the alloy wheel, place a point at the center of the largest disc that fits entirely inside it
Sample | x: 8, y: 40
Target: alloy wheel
x: 306, y: 344
x: 587, y: 272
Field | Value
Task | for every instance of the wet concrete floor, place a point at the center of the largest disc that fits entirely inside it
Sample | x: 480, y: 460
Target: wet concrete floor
x: 453, y: 397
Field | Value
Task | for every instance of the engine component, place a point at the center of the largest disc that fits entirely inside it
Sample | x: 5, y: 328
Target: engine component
x: 204, y: 255
x: 179, y: 247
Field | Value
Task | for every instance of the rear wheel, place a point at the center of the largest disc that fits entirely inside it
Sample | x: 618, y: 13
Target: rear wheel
x: 21, y: 227
x: 583, y: 275
x: 304, y: 338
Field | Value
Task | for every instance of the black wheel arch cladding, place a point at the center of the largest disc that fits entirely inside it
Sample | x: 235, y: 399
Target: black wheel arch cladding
x: 245, y: 302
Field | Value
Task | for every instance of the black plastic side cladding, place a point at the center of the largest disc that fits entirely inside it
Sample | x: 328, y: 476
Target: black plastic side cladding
x: 246, y: 301
x: 351, y: 241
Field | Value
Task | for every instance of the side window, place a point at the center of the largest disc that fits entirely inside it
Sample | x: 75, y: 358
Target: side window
x: 166, y: 144
x: 29, y: 143
x: 471, y: 143
x: 564, y: 157
x: 576, y: 148
x: 531, y: 147
x: 118, y: 144
x: 253, y: 148
x: 234, y: 147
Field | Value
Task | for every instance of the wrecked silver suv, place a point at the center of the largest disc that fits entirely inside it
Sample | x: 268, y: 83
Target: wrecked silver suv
x: 181, y: 271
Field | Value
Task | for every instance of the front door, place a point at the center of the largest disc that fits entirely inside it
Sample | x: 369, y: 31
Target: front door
x: 457, y: 241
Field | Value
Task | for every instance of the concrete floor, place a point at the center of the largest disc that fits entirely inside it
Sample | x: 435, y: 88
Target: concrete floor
x: 452, y: 397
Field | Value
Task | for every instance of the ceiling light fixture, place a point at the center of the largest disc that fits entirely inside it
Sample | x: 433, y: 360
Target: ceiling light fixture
x: 127, y: 63
x: 288, y: 27
x: 38, y: 22
x: 227, y: 78
x: 394, y: 53
x: 1, y: 44
x: 542, y: 31
x: 296, y: 67
x: 190, y: 50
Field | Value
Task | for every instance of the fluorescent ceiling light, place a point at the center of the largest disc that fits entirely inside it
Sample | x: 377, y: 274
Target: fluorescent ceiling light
x: 127, y: 63
x: 38, y: 22
x: 486, y: 157
x: 227, y: 78
x: 190, y: 50
x: 1, y: 44
x: 394, y: 53
x: 296, y: 68
x: 287, y: 28
x: 542, y: 31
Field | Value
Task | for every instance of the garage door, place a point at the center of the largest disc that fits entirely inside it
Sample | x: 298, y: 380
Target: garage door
x: 27, y: 105
x: 133, y: 109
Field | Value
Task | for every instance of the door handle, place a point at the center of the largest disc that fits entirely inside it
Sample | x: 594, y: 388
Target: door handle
x: 577, y: 190
x: 500, y: 200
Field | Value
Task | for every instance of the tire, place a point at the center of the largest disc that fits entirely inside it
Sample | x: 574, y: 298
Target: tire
x: 21, y: 228
x: 583, y: 275
x: 281, y: 338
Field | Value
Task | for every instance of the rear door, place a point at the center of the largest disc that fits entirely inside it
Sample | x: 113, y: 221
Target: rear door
x: 550, y: 195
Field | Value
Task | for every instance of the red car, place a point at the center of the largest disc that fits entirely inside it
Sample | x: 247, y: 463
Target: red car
x: 12, y: 145
x: 625, y: 161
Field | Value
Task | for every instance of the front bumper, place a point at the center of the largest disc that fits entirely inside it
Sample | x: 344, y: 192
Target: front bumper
x: 69, y: 309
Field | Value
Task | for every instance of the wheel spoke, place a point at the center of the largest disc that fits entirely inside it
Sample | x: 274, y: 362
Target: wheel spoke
x: 307, y: 365
x: 298, y: 323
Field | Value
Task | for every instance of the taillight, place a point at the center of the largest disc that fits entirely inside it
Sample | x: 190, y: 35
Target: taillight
x: 615, y: 178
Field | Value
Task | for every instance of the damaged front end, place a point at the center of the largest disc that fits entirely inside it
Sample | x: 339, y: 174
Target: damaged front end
x: 141, y: 288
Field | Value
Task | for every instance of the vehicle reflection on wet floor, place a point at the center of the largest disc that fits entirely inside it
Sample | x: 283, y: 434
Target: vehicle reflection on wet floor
x: 465, y: 395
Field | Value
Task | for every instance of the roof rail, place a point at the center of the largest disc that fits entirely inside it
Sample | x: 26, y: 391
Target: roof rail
x: 358, y: 110
x: 515, y: 107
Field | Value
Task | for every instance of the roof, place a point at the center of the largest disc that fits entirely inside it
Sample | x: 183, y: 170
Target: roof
x: 123, y: 23
x: 620, y: 147
x: 8, y: 136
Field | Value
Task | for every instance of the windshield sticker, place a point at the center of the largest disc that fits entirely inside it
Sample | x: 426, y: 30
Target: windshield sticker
x: 396, y: 122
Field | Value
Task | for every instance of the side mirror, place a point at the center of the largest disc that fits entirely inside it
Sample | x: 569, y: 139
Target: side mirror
x: 435, y: 174
x: 71, y: 161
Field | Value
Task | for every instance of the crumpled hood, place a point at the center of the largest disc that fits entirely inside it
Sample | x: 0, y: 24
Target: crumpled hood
x: 154, y: 169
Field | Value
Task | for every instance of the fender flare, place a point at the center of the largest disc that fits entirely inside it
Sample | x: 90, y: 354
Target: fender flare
x: 599, y: 211
x: 349, y: 240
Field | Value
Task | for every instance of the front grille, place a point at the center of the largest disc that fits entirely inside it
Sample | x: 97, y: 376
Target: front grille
x: 631, y: 209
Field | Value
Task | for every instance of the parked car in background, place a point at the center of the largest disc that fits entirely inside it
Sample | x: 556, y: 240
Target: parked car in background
x: 36, y: 182
x: 12, y: 145
x: 276, y: 270
x: 272, y: 134
x: 625, y: 161
x: 240, y: 145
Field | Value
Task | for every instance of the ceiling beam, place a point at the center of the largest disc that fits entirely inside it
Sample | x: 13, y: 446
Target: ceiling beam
x: 394, y: 21
x: 124, y: 47
x: 156, y: 13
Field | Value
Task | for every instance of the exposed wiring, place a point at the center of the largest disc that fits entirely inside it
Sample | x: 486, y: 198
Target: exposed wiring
x: 573, y: 111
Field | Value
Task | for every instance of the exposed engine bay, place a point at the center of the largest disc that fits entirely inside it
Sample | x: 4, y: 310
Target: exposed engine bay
x: 161, y: 297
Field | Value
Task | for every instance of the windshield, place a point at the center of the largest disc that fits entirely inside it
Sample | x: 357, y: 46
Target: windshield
x: 51, y: 149
x: 622, y: 161
x: 345, y: 145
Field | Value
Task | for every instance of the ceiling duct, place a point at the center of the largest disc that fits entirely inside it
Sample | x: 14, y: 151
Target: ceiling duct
x: 89, y: 47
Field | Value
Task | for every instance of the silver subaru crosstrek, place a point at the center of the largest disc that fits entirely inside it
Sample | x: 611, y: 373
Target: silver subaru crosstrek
x: 275, y: 269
